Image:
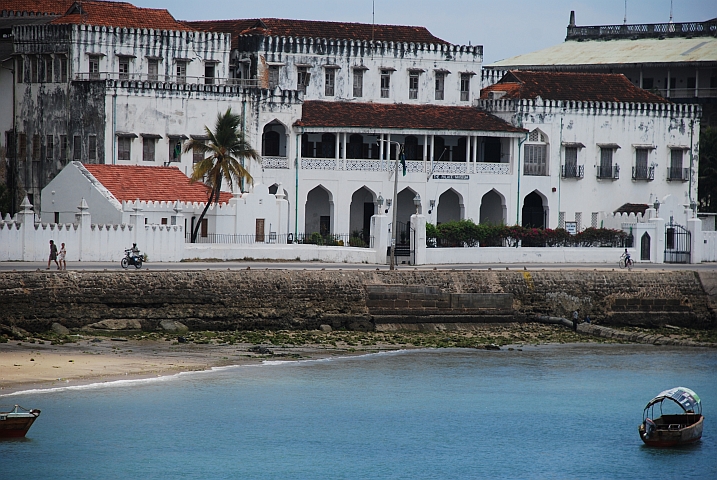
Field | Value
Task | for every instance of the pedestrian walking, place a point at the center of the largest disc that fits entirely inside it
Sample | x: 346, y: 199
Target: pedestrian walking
x: 575, y: 321
x: 53, y: 255
x: 63, y: 252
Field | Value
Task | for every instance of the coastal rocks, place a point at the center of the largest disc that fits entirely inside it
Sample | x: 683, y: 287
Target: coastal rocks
x: 60, y: 329
x: 115, y: 325
x: 13, y: 332
x: 325, y: 328
x: 261, y: 350
x: 173, y: 326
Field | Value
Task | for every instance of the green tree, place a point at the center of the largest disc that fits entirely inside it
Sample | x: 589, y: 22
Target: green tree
x: 223, y: 154
x: 707, y: 176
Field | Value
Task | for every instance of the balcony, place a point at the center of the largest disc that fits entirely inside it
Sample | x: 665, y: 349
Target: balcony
x: 535, y: 169
x: 678, y: 174
x: 178, y: 79
x: 685, y: 92
x: 643, y: 173
x: 573, y: 171
x: 644, y: 30
x: 608, y: 172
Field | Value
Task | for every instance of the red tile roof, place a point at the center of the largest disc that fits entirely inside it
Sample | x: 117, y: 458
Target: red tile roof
x: 120, y: 14
x: 168, y: 184
x: 46, y: 7
x: 319, y: 29
x: 586, y: 87
x: 399, y: 115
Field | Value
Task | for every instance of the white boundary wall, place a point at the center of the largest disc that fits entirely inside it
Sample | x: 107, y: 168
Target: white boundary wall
x: 709, y: 246
x: 447, y: 256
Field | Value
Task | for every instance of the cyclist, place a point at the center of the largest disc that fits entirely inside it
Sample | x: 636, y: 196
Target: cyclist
x: 628, y: 260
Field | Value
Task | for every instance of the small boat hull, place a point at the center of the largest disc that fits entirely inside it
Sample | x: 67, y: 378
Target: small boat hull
x: 671, y: 437
x: 15, y: 424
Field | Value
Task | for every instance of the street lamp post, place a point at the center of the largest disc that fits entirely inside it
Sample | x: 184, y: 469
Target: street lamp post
x: 394, y: 230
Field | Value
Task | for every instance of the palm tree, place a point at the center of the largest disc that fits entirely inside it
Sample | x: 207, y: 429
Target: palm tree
x: 224, y: 155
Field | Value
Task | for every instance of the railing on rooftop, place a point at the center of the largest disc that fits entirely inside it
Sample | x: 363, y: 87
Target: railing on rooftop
x: 643, y: 30
x: 685, y: 92
x: 177, y: 79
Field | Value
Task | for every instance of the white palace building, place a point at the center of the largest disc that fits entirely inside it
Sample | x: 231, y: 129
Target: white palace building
x: 330, y: 106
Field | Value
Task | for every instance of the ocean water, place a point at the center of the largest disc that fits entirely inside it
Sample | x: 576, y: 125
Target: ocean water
x: 568, y: 411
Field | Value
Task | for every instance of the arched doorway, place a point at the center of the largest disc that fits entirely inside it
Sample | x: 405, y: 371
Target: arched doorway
x: 450, y: 207
x: 492, y: 209
x: 362, y: 209
x: 645, y: 246
x: 318, y: 212
x: 273, y: 140
x: 273, y: 190
x: 533, y: 211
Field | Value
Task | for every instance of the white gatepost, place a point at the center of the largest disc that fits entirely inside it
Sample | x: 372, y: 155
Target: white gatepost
x: 380, y: 235
x: 83, y: 220
x: 136, y: 220
x: 658, y: 246
x: 694, y: 225
x: 418, y: 226
x: 26, y: 218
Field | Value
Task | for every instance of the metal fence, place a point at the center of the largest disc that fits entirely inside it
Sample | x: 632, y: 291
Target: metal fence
x: 329, y: 240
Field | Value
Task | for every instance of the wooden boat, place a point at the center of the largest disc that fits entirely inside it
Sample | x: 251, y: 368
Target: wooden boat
x: 16, y: 422
x: 669, y: 430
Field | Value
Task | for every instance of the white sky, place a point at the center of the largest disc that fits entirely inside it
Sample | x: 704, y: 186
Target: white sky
x: 504, y: 28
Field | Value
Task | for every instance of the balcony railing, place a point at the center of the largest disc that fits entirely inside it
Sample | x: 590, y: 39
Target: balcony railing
x: 275, y: 162
x: 643, y: 173
x: 685, y: 92
x: 538, y: 169
x: 609, y: 172
x: 149, y: 78
x: 678, y: 173
x: 573, y: 171
x: 644, y: 30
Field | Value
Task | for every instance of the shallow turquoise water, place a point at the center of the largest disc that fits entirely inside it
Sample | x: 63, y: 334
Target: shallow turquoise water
x: 545, y: 412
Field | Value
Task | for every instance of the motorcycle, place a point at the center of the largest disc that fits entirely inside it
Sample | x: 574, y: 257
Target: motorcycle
x: 131, y: 259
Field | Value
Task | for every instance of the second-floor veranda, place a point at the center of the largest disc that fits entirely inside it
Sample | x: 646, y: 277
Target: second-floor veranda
x: 324, y: 141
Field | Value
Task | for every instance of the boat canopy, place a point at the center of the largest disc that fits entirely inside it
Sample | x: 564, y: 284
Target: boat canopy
x: 683, y: 396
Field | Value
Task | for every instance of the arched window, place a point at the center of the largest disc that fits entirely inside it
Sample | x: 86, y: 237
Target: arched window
x: 271, y: 144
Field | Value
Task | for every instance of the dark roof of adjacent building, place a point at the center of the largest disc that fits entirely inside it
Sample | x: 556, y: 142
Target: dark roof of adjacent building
x: 120, y: 14
x: 585, y: 87
x: 35, y: 7
x: 319, y: 29
x: 151, y: 184
x: 400, y: 116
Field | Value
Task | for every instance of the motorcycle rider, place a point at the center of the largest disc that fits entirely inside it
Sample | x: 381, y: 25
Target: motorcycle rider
x: 135, y: 252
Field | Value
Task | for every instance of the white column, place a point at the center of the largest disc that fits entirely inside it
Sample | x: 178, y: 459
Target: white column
x: 380, y: 147
x: 469, y: 141
x: 425, y: 152
x: 697, y: 82
x: 418, y: 227
x: 694, y: 225
x: 83, y: 219
x: 336, y: 149
x: 474, y: 149
x: 658, y: 243
x: 640, y: 77
x: 343, y: 153
x: 432, y: 150
x: 387, y: 151
x: 379, y: 232
x: 669, y: 84
x: 26, y: 218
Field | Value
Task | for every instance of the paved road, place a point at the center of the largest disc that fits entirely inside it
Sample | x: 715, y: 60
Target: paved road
x: 243, y: 265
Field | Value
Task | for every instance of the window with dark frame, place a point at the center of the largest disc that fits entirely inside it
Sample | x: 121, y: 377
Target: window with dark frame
x: 209, y: 73
x: 329, y: 82
x: 92, y: 148
x: 36, y: 154
x: 63, y: 147
x: 571, y: 162
x: 148, y: 149
x: 77, y: 147
x: 273, y: 76
x: 536, y: 154
x: 465, y: 86
x: 152, y: 69
x: 49, y: 147
x: 48, y: 69
x: 413, y: 85
x: 63, y: 69
x: 385, y: 83
x: 675, y: 172
x: 22, y: 146
x: 124, y: 148
x: 358, y: 83
x: 94, y: 67
x: 124, y: 68
x: 20, y: 67
x: 641, y: 155
x: 175, y: 149
x: 302, y: 79
x: 197, y: 154
x: 606, y: 162
x: 440, y: 85
x: 34, y: 60
x: 181, y: 70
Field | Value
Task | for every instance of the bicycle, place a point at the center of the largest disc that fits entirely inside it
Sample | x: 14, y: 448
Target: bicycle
x: 625, y: 261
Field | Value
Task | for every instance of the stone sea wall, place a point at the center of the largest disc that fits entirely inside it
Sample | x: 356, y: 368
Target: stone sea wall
x: 306, y: 299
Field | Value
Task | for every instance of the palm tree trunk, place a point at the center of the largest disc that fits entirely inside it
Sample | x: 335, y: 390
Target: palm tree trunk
x: 201, y: 217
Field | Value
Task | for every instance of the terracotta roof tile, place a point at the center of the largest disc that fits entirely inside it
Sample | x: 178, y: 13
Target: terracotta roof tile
x: 120, y: 14
x: 399, y: 115
x: 585, y: 87
x: 46, y: 7
x: 130, y: 182
x: 319, y: 29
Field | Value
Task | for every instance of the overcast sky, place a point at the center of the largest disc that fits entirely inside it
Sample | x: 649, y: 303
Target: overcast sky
x: 504, y: 28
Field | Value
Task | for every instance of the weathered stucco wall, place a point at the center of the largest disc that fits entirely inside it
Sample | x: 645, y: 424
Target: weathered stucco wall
x: 300, y: 299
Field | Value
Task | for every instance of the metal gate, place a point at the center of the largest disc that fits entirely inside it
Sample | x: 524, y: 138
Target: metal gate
x: 404, y: 243
x: 677, y: 243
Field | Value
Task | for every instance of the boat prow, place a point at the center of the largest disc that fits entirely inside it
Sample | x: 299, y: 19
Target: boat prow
x: 669, y: 430
x: 16, y: 422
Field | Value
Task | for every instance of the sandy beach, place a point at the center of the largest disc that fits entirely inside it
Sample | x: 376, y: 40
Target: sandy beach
x: 51, y: 360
